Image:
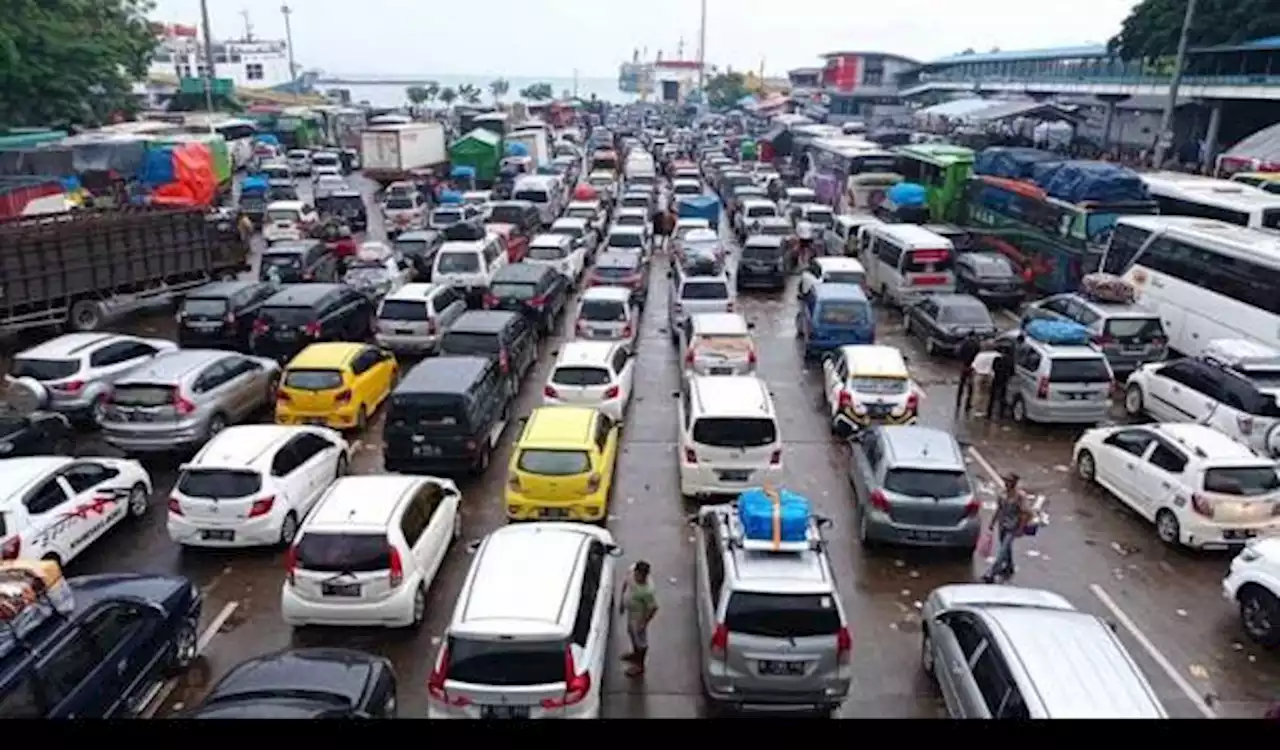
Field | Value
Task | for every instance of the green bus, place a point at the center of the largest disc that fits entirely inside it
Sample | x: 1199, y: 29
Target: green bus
x: 944, y: 172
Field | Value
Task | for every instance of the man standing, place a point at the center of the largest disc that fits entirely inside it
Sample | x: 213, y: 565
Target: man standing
x: 1002, y: 373
x: 639, y: 604
x: 967, y: 352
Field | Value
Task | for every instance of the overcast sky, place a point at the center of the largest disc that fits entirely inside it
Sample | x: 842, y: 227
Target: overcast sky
x: 553, y: 37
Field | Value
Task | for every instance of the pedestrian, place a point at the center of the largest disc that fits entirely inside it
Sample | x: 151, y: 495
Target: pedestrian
x: 983, y: 370
x: 968, y: 350
x: 1010, y: 520
x: 639, y: 604
x: 1002, y: 373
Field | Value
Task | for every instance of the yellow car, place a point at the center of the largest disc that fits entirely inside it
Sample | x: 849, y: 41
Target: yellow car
x: 562, y: 465
x: 1268, y: 181
x: 336, y: 384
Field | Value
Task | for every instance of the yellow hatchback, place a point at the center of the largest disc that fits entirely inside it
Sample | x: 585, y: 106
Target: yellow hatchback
x: 562, y: 465
x: 336, y: 384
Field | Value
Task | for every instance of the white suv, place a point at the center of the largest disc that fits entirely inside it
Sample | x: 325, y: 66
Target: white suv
x: 729, y: 436
x: 76, y: 370
x: 1254, y: 584
x: 1201, y: 488
x: 530, y: 631
x: 253, y: 485
x: 592, y: 373
x: 368, y: 554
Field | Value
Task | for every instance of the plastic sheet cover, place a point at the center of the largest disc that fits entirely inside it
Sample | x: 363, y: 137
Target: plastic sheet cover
x: 157, y: 167
x: 195, y: 182
x: 1080, y: 181
x: 907, y: 194
x: 517, y: 149
x: 1011, y: 163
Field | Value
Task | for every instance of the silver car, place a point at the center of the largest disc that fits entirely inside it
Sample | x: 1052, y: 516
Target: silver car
x: 772, y: 628
x: 76, y: 370
x: 181, y: 399
x: 606, y: 313
x: 692, y: 294
x: 413, y: 318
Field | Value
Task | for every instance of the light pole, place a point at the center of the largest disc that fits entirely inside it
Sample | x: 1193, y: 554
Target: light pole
x: 1165, y: 139
x: 208, y: 56
x: 288, y: 40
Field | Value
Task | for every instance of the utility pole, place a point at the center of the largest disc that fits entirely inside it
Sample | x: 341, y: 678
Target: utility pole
x: 702, y: 48
x: 288, y: 39
x: 1165, y: 140
x: 575, y: 83
x: 248, y: 25
x: 209, y: 73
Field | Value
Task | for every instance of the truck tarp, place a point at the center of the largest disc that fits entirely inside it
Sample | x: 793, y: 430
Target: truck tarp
x: 1080, y: 181
x: 699, y: 207
x: 480, y: 150
x: 1011, y: 163
x: 17, y: 192
x: 223, y: 169
x: 194, y: 183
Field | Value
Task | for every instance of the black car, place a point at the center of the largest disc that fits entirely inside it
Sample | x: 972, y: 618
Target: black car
x: 944, y: 321
x: 763, y: 263
x: 991, y: 278
x: 539, y: 292
x: 220, y: 315
x: 419, y: 247
x: 304, y: 683
x: 620, y: 268
x: 523, y: 215
x: 347, y: 205
x: 302, y: 314
x: 299, y: 262
x: 40, y: 433
x: 281, y: 190
x: 103, y: 656
x: 444, y: 416
x: 507, y: 337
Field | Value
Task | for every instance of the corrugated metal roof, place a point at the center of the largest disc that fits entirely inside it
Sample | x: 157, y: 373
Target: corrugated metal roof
x: 1263, y: 44
x: 959, y: 107
x: 1091, y: 50
x: 1002, y: 110
x: 1263, y: 145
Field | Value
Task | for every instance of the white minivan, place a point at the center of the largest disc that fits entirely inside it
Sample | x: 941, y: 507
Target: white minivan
x: 560, y: 252
x: 542, y: 191
x: 729, y: 436
x: 469, y: 265
x: 905, y: 262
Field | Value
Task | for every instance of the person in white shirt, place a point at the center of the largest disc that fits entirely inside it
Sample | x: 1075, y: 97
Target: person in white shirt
x: 983, y: 367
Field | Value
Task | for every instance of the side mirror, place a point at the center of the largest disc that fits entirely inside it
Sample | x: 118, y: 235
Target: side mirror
x: 670, y: 274
x: 751, y: 326
x: 845, y: 428
x: 613, y: 550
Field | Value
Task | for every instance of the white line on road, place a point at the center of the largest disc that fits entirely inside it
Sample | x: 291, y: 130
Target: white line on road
x: 162, y: 692
x: 1010, y: 315
x: 1153, y: 652
x: 980, y: 460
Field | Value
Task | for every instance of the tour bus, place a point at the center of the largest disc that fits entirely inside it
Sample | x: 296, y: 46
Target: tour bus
x: 849, y: 173
x: 1206, y: 279
x: 236, y: 132
x: 1209, y: 198
x: 944, y: 172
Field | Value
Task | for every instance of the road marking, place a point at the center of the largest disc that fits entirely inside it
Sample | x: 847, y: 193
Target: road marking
x: 161, y: 692
x: 1153, y: 652
x: 986, y: 465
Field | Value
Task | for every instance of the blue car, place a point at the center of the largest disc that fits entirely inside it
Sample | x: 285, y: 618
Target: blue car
x: 835, y: 315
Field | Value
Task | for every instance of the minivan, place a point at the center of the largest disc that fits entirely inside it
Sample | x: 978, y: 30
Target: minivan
x: 835, y: 315
x: 506, y: 337
x: 729, y: 435
x: 412, y: 319
x: 221, y: 314
x: 298, y: 263
x: 905, y: 262
x: 693, y: 293
x: 542, y: 191
x: 468, y: 266
x: 1057, y: 383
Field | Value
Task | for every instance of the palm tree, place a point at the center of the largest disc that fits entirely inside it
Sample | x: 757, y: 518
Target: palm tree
x: 540, y: 92
x: 432, y: 90
x: 499, y: 88
x: 469, y: 93
x: 416, y: 94
x: 448, y: 95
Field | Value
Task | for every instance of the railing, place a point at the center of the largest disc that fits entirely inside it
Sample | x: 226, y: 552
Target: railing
x: 1101, y: 77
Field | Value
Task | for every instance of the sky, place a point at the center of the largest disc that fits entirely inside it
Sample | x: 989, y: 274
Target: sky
x: 553, y: 38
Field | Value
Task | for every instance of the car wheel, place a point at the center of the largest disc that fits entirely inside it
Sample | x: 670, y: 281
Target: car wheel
x: 1019, y: 410
x: 482, y: 463
x: 1086, y: 468
x: 217, y: 423
x: 288, y: 529
x: 1167, y: 528
x: 1133, y: 400
x: 1260, y: 615
x: 926, y: 654
x: 342, y: 467
x: 362, y: 420
x: 137, y: 503
x: 419, y: 606
x: 186, y: 646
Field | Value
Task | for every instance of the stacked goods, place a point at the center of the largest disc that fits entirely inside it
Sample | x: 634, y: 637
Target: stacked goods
x: 31, y: 591
x: 1058, y: 332
x: 1105, y: 287
x: 772, y: 515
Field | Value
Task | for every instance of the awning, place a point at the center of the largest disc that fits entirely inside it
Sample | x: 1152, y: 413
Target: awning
x: 957, y: 108
x: 1033, y: 110
x: 1261, y: 149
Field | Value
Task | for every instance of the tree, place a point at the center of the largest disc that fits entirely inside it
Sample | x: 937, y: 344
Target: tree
x: 432, y: 89
x: 468, y: 93
x: 724, y: 90
x: 499, y: 88
x: 1153, y: 26
x: 448, y: 95
x: 538, y: 92
x: 417, y: 94
x: 66, y: 62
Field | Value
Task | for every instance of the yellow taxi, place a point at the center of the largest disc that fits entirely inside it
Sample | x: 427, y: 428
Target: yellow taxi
x: 1268, y: 181
x: 335, y: 384
x: 562, y: 465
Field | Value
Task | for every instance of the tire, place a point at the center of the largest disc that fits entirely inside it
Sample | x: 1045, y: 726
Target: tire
x: 53, y: 558
x: 926, y: 654
x: 217, y: 423
x: 362, y: 420
x: 864, y: 538
x: 138, y: 502
x: 1133, y: 401
x: 419, y: 612
x: 1086, y: 466
x: 85, y: 315
x: 185, y: 647
x: 1167, y: 528
x: 482, y: 462
x: 288, y: 529
x: 1019, y: 410
x: 1260, y: 615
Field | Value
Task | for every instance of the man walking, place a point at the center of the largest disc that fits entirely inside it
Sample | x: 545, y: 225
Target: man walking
x: 1002, y: 373
x: 967, y: 352
x: 1013, y: 514
x: 640, y: 605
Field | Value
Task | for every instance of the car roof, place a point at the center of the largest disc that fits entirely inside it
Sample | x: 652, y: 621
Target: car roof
x: 829, y: 291
x: 173, y: 366
x: 18, y: 474
x: 221, y: 289
x: 291, y: 247
x: 482, y: 321
x: 451, y: 375
x: 511, y: 573
x: 592, y: 204
x: 569, y: 221
x: 367, y: 501
x: 618, y: 259
x: 616, y: 229
x: 524, y: 205
x: 70, y: 345
x: 957, y: 300
x: 549, y: 240
x: 875, y: 360
x: 915, y: 446
x: 243, y: 445
x: 731, y: 395
x: 522, y: 272
x: 720, y: 324
x: 301, y: 295
x: 558, y: 427
x: 1206, y: 442
x: 326, y: 354
x: 631, y: 211
x: 285, y: 205
x: 614, y: 293
x: 838, y: 263
x: 417, y: 291
x: 584, y: 353
x: 342, y: 671
x: 765, y: 240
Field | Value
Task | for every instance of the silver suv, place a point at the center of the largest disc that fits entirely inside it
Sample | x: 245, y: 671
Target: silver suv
x: 1055, y: 383
x: 693, y: 293
x: 77, y: 370
x: 772, y: 628
x: 181, y: 399
x: 1129, y: 335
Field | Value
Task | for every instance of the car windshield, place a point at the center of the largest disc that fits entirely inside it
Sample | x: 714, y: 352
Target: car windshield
x: 581, y: 213
x: 44, y: 369
x: 282, y: 216
x: 992, y: 266
x: 604, y: 310
x: 761, y: 211
x: 632, y: 220
x: 566, y: 231
x: 513, y: 291
x: 443, y: 218
x: 735, y: 432
x: 513, y: 215
x: 543, y: 252
x: 458, y: 263
x: 283, y: 260
x: 845, y: 277
x: 313, y: 380
x: 626, y: 240
x: 965, y: 314
x: 879, y: 386
x: 926, y: 483
x: 554, y: 463
x: 761, y: 251
x: 533, y: 196
x: 781, y: 615
x: 219, y: 483
x: 774, y: 230
x: 1242, y: 481
x: 581, y: 376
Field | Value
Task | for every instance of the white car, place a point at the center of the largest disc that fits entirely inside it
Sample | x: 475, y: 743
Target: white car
x: 729, y: 436
x: 481, y: 199
x: 686, y: 188
x: 55, y: 507
x: 583, y: 234
x: 830, y: 268
x: 1253, y: 583
x: 634, y: 217
x: 299, y: 161
x: 253, y: 485
x: 718, y: 344
x: 559, y: 252
x: 592, y: 373
x: 607, y: 313
x: 368, y: 554
x: 627, y: 239
x: 288, y: 221
x: 1199, y: 487
x: 590, y: 211
x: 330, y: 183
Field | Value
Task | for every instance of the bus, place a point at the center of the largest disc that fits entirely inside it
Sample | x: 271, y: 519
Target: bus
x: 849, y: 174
x: 1209, y: 198
x: 1205, y: 278
x: 944, y: 172
x: 1053, y: 242
x: 237, y: 132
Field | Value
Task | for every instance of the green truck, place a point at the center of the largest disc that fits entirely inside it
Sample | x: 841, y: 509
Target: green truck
x: 481, y: 150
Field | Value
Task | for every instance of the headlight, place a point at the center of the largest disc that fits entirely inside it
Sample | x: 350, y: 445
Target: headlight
x: 1248, y: 555
x: 6, y: 447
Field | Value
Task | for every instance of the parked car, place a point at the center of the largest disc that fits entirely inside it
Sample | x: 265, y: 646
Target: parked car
x: 301, y: 314
x: 221, y: 314
x: 991, y: 278
x: 944, y: 321
x: 540, y: 292
x: 335, y: 384
x: 304, y: 683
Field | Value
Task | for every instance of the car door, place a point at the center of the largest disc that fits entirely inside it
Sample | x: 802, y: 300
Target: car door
x: 955, y: 657
x: 127, y: 634
x: 439, y: 512
x: 1052, y: 308
x: 317, y: 461
x: 1026, y: 365
x: 448, y: 305
x: 69, y: 678
x: 710, y: 570
x: 113, y: 360
x: 624, y: 371
x: 94, y: 501
x: 291, y: 479
x: 1118, y: 466
x: 51, y: 523
x: 215, y: 391
x: 925, y: 317
x: 867, y: 455
x: 1159, y: 477
x: 1190, y: 394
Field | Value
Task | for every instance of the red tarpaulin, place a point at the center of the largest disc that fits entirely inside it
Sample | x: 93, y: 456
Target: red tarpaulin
x: 194, y: 182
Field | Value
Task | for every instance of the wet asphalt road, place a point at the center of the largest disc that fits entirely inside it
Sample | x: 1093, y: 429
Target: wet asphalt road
x: 1166, y: 603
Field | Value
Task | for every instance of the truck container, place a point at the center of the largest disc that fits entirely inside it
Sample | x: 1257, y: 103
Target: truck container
x: 80, y: 269
x: 481, y: 150
x: 400, y: 152
x: 535, y: 140
x: 28, y: 196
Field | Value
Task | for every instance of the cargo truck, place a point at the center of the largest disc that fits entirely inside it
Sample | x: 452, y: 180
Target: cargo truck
x: 80, y: 269
x: 403, y: 151
x: 534, y: 139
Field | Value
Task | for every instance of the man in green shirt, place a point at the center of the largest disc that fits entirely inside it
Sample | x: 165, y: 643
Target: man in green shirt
x: 639, y: 604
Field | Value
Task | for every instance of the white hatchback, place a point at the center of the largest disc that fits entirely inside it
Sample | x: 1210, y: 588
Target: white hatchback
x: 592, y: 373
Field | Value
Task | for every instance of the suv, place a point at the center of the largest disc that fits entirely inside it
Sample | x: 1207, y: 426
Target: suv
x: 301, y: 314
x: 763, y: 263
x: 538, y: 655
x: 773, y: 629
x: 729, y: 435
x: 693, y: 293
x: 539, y: 292
x: 299, y: 263
x: 412, y: 319
x: 469, y: 265
x: 1056, y: 383
x: 76, y: 370
x: 506, y: 337
x: 221, y: 314
x: 368, y: 553
x: 103, y: 654
x: 718, y: 344
x: 1229, y: 388
x: 1129, y: 335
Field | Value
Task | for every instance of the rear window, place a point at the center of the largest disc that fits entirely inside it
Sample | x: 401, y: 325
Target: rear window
x: 513, y: 215
x: 927, y: 483
x: 458, y: 262
x: 533, y: 196
x: 1140, y: 329
x: 313, y: 380
x: 547, y: 253
x: 879, y: 386
x: 44, y: 369
x: 626, y: 240
x: 844, y: 313
x: 411, y: 410
x: 445, y: 217
x: 554, y: 463
x: 574, y: 232
x: 631, y: 220
x: 705, y: 290
x: 581, y: 376
x: 284, y: 260
x: 926, y: 261
x: 752, y: 250
x: 970, y: 314
x: 735, y: 432
x: 506, y: 290
x: 144, y: 395
x: 399, y: 204
x: 459, y: 342
x: 412, y: 247
x: 845, y: 277
x: 582, y: 213
x: 1243, y: 481
x: 395, y: 309
x: 291, y: 316
x: 204, y: 308
x: 608, y: 311
x: 1088, y: 370
x: 219, y: 483
x: 506, y: 662
x: 344, y: 553
x: 774, y: 230
x: 781, y: 615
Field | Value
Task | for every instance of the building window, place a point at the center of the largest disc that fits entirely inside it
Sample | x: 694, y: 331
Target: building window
x: 202, y: 71
x: 873, y: 71
x: 185, y: 71
x: 253, y: 71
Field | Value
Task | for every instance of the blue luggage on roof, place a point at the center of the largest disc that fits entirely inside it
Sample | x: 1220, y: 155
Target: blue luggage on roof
x: 450, y: 197
x: 1058, y: 332
x: 759, y: 514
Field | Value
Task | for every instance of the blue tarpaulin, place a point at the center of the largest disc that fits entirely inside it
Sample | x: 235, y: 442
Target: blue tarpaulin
x: 157, y: 167
x: 1011, y: 163
x: 907, y: 194
x: 266, y: 138
x: 700, y: 207
x: 1099, y: 181
x: 761, y: 517
x: 450, y: 196
x: 253, y: 184
x: 462, y: 172
x: 517, y: 149
x: 70, y: 184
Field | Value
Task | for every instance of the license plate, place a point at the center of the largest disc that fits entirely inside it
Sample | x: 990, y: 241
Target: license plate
x: 1239, y: 534
x: 735, y: 476
x: 878, y: 411
x: 404, y: 331
x: 315, y: 421
x: 340, y: 589
x: 924, y: 536
x: 426, y: 450
x: 721, y: 370
x: 1139, y: 349
x: 286, y: 335
x: 504, y: 712
x: 553, y: 513
x: 218, y: 535
x: 782, y: 668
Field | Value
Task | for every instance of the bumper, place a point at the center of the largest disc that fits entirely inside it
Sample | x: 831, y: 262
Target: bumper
x: 408, y: 344
x: 452, y: 465
x: 395, y: 611
x: 1226, y: 536
x: 696, y: 481
x: 1010, y: 300
x: 337, y: 420
x: 587, y: 709
x: 177, y: 438
x: 1090, y: 413
x: 818, y: 344
x: 256, y: 532
x: 866, y: 420
x: 729, y: 692
x: 882, y: 528
x: 592, y: 508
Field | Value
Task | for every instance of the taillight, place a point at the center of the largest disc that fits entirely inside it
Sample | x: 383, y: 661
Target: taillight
x: 490, y: 301
x: 290, y: 563
x: 879, y: 501
x: 751, y: 357
x: 261, y: 507
x: 538, y: 301
x: 1202, y: 505
x: 307, y: 276
x: 688, y: 356
x: 844, y: 645
x: 593, y: 482
x: 1102, y: 340
x: 576, y: 686
x: 971, y: 508
x: 504, y: 361
x: 1042, y: 387
x: 775, y: 458
x: 312, y: 329
x: 846, y: 401
x: 549, y: 392
x: 175, y: 506
x: 396, y: 575
x: 612, y: 391
x: 626, y: 330
x: 72, y: 386
x: 913, y: 401
x: 260, y: 327
x: 436, y: 681
x: 719, y: 641
x: 10, y: 549
x: 343, y: 396
x: 690, y: 456
x: 182, y: 406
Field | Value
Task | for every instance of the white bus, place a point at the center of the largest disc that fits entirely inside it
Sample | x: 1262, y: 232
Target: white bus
x: 1206, y: 279
x: 1208, y: 198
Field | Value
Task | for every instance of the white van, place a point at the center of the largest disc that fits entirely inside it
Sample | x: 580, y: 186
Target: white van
x: 542, y: 191
x: 559, y: 252
x: 905, y: 262
x: 729, y: 435
x: 287, y: 221
x: 469, y: 265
